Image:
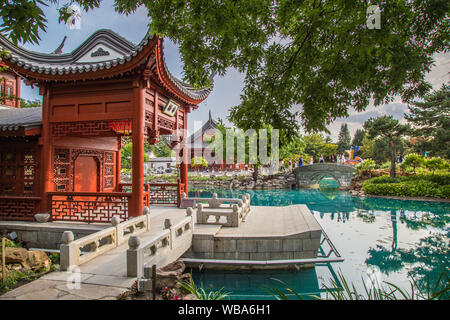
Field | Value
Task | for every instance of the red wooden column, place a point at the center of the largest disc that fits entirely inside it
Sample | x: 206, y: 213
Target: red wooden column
x: 45, y: 141
x: 185, y: 160
x: 137, y: 137
x: 118, y: 163
x: 17, y: 91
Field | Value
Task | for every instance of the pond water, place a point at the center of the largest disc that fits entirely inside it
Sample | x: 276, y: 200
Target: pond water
x: 382, y: 239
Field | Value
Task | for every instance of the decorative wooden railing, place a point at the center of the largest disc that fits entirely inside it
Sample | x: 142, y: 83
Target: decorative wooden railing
x: 159, y: 193
x: 18, y: 208
x: 89, y: 206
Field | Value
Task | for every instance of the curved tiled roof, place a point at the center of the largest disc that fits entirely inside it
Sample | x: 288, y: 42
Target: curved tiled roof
x: 12, y: 119
x: 103, y: 50
x: 163, y: 71
x: 45, y: 63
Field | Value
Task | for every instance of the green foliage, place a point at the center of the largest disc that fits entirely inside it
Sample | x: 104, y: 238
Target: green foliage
x: 126, y: 155
x: 161, y: 149
x: 344, y: 139
x: 390, y: 128
x: 14, y: 276
x: 431, y: 122
x: 319, y: 55
x: 200, y: 292
x: 367, y: 165
x: 358, y: 137
x: 293, y: 149
x: 436, y: 163
x: 30, y: 103
x: 413, y: 161
x: 420, y: 185
x: 341, y: 289
x: 199, y: 162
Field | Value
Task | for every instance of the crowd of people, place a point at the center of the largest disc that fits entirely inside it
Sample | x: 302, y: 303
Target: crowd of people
x: 294, y: 163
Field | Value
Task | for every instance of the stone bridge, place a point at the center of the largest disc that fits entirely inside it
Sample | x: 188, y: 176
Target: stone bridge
x: 309, y: 175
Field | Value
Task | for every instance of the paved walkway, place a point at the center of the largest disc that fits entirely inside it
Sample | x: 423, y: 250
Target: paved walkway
x: 102, y: 278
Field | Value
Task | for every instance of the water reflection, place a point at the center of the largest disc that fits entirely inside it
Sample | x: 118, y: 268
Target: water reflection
x: 402, y: 238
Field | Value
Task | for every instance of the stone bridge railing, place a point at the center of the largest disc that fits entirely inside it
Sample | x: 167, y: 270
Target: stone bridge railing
x: 309, y: 175
x: 161, y: 249
x: 76, y: 252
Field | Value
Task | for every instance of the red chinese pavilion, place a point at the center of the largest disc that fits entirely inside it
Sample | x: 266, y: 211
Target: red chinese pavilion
x: 64, y: 158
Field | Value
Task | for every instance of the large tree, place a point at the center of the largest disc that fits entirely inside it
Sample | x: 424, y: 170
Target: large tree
x: 358, y: 137
x: 320, y: 55
x: 344, y: 138
x: 431, y: 122
x: 386, y: 127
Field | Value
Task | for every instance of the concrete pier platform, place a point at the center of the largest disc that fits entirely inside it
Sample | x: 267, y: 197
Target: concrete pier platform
x: 269, y: 238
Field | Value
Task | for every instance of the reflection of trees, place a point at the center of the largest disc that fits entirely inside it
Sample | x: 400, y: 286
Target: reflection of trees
x: 424, y: 213
x: 366, y: 216
x: 428, y: 256
x: 387, y: 260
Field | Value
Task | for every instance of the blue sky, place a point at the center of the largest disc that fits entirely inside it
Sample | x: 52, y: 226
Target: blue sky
x: 227, y: 89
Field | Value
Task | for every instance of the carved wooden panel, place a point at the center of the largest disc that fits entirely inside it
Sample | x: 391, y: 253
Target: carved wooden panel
x: 84, y: 128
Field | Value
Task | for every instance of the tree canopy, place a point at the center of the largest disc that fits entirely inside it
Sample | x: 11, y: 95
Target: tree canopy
x: 387, y: 127
x: 431, y: 122
x: 305, y: 62
x: 344, y: 138
x: 358, y: 137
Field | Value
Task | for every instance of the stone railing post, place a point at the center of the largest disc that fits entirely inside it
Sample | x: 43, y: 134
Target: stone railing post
x: 135, y: 258
x: 68, y: 252
x: 200, y: 213
x: 235, y: 217
x: 190, y: 212
x: 146, y: 212
x: 168, y: 226
x: 115, y: 221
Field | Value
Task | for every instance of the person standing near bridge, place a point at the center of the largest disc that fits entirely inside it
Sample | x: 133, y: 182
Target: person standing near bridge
x: 300, y: 161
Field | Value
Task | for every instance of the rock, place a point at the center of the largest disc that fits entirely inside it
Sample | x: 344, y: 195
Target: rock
x: 38, y: 260
x: 178, y: 266
x: 190, y: 296
x: 16, y: 255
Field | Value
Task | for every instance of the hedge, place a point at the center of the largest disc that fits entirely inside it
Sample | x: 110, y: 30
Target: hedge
x: 429, y: 185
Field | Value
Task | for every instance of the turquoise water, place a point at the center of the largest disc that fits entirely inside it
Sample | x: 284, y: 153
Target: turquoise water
x: 382, y: 239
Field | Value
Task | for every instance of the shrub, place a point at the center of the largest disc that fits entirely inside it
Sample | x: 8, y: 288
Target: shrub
x: 367, y: 165
x: 436, y: 163
x: 413, y: 160
x: 426, y: 185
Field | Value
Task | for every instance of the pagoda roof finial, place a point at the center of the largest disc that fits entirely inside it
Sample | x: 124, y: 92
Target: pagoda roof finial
x: 60, y: 47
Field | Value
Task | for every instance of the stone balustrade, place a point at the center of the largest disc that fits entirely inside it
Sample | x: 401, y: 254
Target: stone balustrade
x: 76, y: 252
x: 162, y: 248
x: 133, y: 226
x: 233, y: 210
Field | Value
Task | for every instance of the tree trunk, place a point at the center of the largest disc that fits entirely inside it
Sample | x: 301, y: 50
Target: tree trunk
x: 255, y: 172
x: 392, y: 143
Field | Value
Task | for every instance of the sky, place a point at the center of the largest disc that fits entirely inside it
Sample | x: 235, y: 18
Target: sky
x: 227, y: 89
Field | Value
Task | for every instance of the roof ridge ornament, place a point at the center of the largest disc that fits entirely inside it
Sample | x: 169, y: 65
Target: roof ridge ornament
x: 100, y: 52
x: 60, y: 47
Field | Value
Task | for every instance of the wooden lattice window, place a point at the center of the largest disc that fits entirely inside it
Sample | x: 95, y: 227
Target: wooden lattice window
x: 61, y: 169
x: 18, y: 171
